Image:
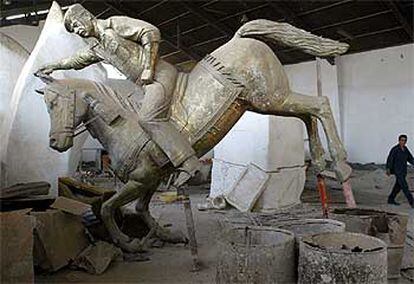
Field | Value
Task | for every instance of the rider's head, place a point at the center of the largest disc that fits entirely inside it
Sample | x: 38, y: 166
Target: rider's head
x: 80, y: 21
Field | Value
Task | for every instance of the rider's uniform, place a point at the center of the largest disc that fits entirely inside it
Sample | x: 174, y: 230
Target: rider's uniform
x: 116, y: 45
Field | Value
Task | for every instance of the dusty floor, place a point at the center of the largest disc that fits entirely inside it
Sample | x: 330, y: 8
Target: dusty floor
x: 172, y: 263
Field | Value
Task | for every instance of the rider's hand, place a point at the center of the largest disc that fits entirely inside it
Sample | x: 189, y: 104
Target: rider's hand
x: 45, y: 70
x: 146, y: 77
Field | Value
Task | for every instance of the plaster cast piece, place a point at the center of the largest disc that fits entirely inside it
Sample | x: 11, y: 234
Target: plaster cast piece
x: 244, y: 74
x: 13, y: 56
x: 26, y: 126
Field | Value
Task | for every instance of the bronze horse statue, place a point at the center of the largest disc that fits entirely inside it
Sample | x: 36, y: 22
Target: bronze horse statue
x: 243, y: 74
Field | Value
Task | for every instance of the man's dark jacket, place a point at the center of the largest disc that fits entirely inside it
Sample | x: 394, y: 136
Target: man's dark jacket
x: 397, y: 160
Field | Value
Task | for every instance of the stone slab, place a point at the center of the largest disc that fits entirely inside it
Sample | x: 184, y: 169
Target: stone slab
x: 59, y: 238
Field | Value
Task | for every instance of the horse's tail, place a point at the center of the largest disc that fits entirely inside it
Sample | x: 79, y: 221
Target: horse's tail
x: 291, y: 36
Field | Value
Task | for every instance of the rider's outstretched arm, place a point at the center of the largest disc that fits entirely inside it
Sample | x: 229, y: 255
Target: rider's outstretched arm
x: 80, y: 60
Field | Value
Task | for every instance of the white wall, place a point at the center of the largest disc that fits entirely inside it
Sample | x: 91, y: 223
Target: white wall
x: 377, y: 88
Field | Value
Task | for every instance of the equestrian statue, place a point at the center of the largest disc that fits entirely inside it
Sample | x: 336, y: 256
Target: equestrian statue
x: 160, y: 120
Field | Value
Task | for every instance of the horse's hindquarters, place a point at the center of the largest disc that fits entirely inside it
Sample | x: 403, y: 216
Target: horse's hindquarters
x: 243, y: 73
x: 256, y: 65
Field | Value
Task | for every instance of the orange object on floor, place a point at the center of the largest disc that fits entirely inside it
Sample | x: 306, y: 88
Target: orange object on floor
x: 323, y: 196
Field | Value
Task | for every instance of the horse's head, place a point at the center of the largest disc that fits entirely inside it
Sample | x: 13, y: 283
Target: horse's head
x: 62, y: 108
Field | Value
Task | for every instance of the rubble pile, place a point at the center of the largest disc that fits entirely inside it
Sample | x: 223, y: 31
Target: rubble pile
x: 43, y: 234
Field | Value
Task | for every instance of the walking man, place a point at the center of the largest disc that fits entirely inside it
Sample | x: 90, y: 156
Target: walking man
x: 397, y: 165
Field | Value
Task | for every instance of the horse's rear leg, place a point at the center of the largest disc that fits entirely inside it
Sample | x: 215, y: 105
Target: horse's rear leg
x: 319, y: 107
x: 315, y: 145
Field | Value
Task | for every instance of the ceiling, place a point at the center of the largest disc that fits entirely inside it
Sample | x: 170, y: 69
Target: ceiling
x: 191, y: 29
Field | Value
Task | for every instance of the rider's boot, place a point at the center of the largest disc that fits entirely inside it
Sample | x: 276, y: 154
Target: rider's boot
x: 188, y: 169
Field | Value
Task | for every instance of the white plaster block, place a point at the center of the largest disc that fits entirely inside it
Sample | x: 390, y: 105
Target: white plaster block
x: 246, y: 142
x: 283, y: 189
x: 271, y: 143
x: 286, y: 143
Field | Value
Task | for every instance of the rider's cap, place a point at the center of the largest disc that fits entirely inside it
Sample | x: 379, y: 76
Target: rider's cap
x: 76, y: 11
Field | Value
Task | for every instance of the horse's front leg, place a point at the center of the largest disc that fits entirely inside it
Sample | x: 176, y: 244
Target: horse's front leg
x: 164, y: 234
x: 131, y: 191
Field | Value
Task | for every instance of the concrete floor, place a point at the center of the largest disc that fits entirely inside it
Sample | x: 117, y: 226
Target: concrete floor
x: 172, y: 263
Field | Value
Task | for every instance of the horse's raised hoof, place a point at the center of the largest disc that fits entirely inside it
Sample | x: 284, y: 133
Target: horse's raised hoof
x: 328, y: 174
x: 343, y: 171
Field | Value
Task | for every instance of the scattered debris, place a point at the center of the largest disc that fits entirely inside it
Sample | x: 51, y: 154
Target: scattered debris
x: 96, y: 258
x: 16, y: 257
x: 218, y: 202
x: 25, y: 190
x: 170, y: 197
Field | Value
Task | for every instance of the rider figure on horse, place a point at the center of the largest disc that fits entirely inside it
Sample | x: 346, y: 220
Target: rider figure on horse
x: 158, y: 78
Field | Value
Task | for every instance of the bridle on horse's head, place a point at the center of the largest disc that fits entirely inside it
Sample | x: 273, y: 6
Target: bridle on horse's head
x: 67, y: 101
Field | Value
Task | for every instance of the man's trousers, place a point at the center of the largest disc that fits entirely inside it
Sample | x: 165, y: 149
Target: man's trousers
x: 401, y: 184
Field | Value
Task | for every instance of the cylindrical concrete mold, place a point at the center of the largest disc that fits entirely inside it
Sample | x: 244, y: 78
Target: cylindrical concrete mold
x: 256, y: 255
x: 342, y: 258
x: 388, y: 226
x: 306, y: 227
